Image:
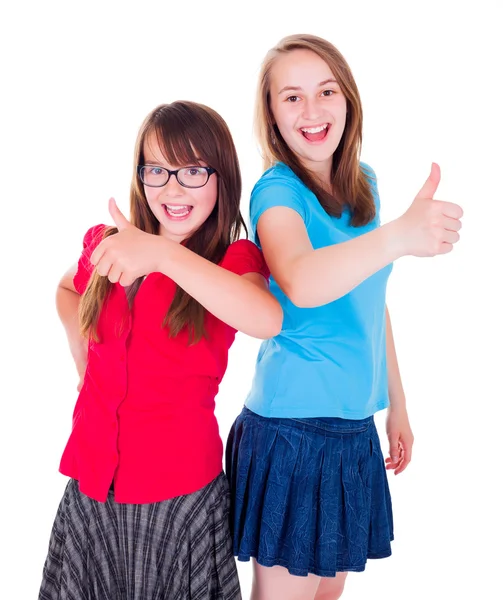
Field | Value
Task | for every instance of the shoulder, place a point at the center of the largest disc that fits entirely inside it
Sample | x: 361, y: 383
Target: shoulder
x: 282, y: 176
x: 367, y: 169
x: 369, y: 173
x: 93, y: 236
x: 278, y: 186
x: 243, y: 256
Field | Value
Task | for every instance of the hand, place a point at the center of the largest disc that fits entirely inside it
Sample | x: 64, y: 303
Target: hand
x: 430, y: 227
x: 129, y: 254
x: 400, y: 440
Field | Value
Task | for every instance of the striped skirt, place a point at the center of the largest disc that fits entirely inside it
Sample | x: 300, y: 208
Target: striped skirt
x: 178, y: 549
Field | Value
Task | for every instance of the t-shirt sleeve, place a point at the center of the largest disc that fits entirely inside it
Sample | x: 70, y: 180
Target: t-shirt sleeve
x: 274, y: 191
x: 369, y: 173
x: 243, y: 257
x: 84, y: 268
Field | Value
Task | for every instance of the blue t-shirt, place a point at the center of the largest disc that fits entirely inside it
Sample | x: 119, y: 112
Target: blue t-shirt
x: 328, y: 361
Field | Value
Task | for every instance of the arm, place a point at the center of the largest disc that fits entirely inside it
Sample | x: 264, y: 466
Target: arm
x: 396, y: 393
x: 398, y: 428
x: 67, y: 305
x: 313, y: 278
x: 243, y: 302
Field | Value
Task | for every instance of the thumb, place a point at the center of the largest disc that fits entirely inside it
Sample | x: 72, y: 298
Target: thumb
x: 119, y: 219
x: 394, y: 450
x: 431, y: 184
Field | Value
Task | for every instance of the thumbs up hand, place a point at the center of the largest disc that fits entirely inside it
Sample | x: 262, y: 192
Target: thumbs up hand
x: 430, y: 227
x: 119, y: 219
x: 128, y: 254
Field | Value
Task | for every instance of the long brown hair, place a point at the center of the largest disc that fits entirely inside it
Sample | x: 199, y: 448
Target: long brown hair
x: 350, y: 184
x: 187, y: 133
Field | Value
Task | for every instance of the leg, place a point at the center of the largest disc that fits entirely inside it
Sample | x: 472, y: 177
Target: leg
x: 272, y: 583
x: 331, y: 588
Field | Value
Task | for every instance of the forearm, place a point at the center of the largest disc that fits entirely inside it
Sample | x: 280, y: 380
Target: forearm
x: 67, y: 306
x: 326, y: 274
x: 395, y: 387
x: 231, y: 298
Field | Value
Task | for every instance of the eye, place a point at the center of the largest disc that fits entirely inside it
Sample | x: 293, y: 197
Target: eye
x: 193, y: 177
x: 195, y: 171
x: 151, y: 170
x: 292, y: 99
x: 327, y: 93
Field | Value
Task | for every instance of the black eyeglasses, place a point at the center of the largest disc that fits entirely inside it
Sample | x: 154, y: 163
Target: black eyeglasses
x: 189, y: 177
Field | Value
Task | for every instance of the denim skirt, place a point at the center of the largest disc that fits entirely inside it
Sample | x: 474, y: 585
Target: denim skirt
x: 309, y: 494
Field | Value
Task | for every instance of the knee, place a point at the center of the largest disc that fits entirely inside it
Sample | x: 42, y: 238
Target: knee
x: 331, y: 589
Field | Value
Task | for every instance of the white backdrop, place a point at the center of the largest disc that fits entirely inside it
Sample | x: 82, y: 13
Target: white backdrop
x: 78, y: 80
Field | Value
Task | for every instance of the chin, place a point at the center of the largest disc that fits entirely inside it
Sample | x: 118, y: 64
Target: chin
x: 318, y: 159
x: 182, y: 232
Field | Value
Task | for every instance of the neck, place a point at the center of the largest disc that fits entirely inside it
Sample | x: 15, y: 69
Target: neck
x: 322, y: 171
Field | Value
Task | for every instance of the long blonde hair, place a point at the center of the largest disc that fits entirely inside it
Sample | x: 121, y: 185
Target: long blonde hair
x: 187, y: 133
x: 349, y: 183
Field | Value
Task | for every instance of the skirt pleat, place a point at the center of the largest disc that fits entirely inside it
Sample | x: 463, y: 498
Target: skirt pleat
x: 178, y: 549
x: 310, y: 495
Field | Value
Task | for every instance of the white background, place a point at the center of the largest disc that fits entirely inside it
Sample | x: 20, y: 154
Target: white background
x: 77, y: 81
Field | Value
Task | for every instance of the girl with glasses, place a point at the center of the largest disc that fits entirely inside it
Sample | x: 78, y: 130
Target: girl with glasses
x: 151, y: 310
x: 310, y: 498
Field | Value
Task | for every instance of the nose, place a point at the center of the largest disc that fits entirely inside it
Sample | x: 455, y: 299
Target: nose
x: 312, y: 110
x: 173, y: 189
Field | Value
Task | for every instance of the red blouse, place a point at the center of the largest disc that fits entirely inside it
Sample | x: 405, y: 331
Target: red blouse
x: 144, y: 418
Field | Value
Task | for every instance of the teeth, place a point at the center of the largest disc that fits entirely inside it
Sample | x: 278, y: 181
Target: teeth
x: 177, y: 207
x: 314, y: 129
x: 177, y: 210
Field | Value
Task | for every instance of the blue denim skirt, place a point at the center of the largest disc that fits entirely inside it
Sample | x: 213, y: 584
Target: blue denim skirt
x: 310, y: 494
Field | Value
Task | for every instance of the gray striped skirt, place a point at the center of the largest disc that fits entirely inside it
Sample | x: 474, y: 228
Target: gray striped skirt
x: 178, y: 549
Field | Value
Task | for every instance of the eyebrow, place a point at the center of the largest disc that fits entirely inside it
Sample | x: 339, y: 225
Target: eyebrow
x: 154, y: 163
x: 296, y: 88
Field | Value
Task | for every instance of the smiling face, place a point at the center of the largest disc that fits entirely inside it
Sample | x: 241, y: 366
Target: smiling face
x: 308, y: 108
x: 180, y: 210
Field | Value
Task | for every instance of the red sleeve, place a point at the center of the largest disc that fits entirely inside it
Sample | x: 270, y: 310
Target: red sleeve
x: 244, y: 257
x: 84, y: 268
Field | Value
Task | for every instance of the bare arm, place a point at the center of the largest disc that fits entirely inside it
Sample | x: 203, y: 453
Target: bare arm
x: 243, y: 302
x: 398, y: 428
x: 67, y: 305
x: 316, y: 277
x: 395, y: 387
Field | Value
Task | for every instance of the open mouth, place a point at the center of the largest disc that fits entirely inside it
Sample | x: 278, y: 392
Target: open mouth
x: 178, y: 212
x: 315, y: 134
